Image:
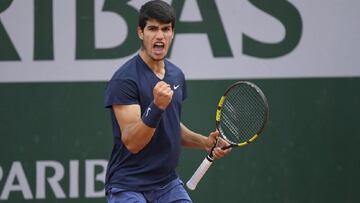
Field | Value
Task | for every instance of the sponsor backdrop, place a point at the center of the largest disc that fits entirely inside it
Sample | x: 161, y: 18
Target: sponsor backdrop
x: 56, y: 56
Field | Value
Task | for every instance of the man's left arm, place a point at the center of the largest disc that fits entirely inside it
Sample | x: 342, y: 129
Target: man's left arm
x: 192, y: 139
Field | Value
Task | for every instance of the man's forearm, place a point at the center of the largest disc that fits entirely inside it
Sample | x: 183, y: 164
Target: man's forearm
x: 192, y: 139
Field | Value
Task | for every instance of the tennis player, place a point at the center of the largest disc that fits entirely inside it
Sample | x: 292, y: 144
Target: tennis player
x: 144, y: 97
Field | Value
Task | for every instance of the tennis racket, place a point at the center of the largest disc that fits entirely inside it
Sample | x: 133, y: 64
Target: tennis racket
x: 241, y: 116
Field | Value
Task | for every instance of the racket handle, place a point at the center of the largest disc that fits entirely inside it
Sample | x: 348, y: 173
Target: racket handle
x: 199, y: 173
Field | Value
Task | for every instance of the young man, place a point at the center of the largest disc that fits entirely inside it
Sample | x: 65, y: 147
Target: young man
x: 144, y: 97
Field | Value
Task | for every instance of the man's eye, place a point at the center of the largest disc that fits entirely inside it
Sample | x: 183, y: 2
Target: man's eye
x: 166, y: 29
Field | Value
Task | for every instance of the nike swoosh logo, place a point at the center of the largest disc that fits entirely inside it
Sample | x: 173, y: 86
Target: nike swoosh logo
x: 147, y: 111
x: 176, y: 86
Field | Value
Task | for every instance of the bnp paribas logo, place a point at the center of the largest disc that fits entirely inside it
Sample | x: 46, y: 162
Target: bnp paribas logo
x: 47, y: 16
x: 49, y: 179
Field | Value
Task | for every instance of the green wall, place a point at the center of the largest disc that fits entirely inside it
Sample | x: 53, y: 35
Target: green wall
x: 308, y: 153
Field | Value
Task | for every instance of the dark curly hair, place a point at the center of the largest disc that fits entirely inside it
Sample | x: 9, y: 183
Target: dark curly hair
x: 157, y: 10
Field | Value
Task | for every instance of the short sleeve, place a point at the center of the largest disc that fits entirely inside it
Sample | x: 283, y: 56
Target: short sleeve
x: 184, y: 91
x: 121, y: 92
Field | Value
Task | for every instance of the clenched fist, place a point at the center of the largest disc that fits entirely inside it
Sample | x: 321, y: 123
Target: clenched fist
x: 162, y: 94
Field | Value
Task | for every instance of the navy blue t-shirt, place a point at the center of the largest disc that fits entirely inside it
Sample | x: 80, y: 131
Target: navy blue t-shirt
x: 154, y: 166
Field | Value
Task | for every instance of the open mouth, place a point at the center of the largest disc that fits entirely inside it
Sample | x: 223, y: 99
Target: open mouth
x: 159, y: 47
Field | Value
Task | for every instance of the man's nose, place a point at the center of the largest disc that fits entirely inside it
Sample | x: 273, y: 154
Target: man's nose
x: 159, y: 34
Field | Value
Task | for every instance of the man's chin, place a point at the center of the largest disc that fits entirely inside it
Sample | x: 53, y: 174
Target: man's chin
x: 159, y: 58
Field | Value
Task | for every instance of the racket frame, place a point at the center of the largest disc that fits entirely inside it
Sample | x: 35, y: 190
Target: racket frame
x: 219, y: 108
x: 207, y: 162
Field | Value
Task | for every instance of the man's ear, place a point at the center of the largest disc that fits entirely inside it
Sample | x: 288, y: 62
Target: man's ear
x: 140, y: 33
x: 172, y: 37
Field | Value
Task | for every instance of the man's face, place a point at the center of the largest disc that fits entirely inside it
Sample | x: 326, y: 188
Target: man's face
x: 156, y: 38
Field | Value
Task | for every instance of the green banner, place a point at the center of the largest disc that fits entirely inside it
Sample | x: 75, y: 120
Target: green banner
x: 56, y: 139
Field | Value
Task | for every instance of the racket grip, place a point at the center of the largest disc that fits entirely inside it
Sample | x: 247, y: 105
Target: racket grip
x: 199, y: 173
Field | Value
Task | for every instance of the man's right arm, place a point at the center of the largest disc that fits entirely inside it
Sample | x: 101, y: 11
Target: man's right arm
x: 137, y: 130
x: 134, y: 133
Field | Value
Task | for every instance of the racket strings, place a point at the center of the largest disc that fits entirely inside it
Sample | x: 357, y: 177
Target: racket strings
x: 243, y: 114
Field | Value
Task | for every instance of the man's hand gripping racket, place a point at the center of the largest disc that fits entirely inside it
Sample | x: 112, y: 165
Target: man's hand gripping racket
x: 241, y: 116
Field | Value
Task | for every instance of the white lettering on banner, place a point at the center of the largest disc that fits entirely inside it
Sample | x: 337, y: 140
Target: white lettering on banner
x: 53, y: 181
x: 16, y: 179
x: 247, y: 25
x: 16, y: 173
x: 91, y: 178
x: 74, y: 180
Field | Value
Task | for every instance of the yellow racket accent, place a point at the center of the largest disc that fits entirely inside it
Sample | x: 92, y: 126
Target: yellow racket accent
x: 253, y: 138
x: 247, y: 142
x: 218, y: 111
x: 242, y: 144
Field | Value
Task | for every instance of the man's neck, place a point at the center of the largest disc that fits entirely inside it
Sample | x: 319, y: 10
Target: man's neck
x: 157, y: 66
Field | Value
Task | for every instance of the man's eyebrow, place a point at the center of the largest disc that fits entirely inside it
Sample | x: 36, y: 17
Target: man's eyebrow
x: 152, y: 26
x: 161, y: 26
